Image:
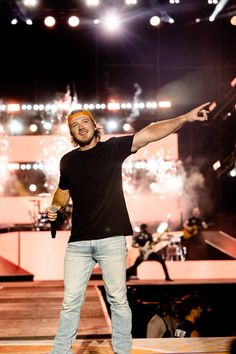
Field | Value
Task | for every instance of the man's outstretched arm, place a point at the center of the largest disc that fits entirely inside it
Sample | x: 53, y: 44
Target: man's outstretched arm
x: 161, y: 129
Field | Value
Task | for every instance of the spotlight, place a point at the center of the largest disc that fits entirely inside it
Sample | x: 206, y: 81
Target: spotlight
x: 15, y: 127
x: 127, y: 127
x: 29, y: 22
x: 113, y: 106
x: 233, y: 172
x: 112, y: 125
x: 162, y: 227
x: 49, y: 21
x: 14, y: 21
x: 33, y: 128
x: 30, y: 3
x: 233, y: 82
x: 233, y: 21
x: 164, y: 104
x: 155, y: 20
x: 92, y: 2
x: 111, y: 23
x: 73, y: 21
x: 47, y: 126
x: 131, y: 2
x: 32, y: 187
x: 216, y: 165
x: 13, y: 107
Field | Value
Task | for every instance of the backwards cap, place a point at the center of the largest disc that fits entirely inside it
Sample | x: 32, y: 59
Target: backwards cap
x: 83, y: 112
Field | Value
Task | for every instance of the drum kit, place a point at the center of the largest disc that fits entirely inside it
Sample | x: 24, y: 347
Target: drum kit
x: 39, y: 217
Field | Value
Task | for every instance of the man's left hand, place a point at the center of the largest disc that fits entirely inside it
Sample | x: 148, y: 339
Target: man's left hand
x: 198, y: 113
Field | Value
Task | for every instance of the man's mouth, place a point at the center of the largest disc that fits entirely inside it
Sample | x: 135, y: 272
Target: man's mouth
x: 83, y: 132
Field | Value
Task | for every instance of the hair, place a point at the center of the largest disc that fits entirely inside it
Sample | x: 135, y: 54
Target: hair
x: 143, y: 226
x: 190, y: 302
x: 98, y: 132
x: 164, y: 306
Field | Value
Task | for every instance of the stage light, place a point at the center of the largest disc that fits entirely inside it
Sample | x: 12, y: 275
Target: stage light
x: 233, y: 21
x: 92, y: 2
x: 14, y: 21
x: 131, y: 2
x: 33, y: 128
x: 49, y: 21
x: 111, y: 22
x: 14, y: 166
x: 113, y: 106
x: 112, y: 125
x: 164, y: 104
x: 233, y: 82
x: 64, y: 128
x: 73, y: 21
x: 30, y: 3
x: 47, y: 125
x: 162, y: 227
x: 127, y: 127
x: 155, y: 21
x: 233, y: 172
x: 15, y: 127
x: 216, y: 165
x: 151, y: 105
x: 29, y: 22
x: 32, y: 187
x: 219, y: 7
x: 96, y: 21
x: 13, y: 107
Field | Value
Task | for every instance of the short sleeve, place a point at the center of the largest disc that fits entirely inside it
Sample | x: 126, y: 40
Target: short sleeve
x: 123, y: 146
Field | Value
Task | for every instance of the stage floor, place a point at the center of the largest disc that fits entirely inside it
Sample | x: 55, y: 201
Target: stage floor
x: 29, y: 314
x: 219, y: 345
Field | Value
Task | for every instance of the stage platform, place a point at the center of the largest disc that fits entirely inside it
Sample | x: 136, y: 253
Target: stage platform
x: 220, y: 345
x: 29, y: 314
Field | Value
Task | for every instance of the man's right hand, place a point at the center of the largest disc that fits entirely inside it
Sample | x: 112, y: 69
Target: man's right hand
x: 52, y: 212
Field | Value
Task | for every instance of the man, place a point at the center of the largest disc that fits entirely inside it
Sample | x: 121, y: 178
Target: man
x: 163, y: 323
x: 92, y: 176
x: 144, y: 241
x: 192, y: 238
x: 192, y: 306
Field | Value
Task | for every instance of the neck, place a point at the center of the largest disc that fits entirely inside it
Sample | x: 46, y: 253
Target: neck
x: 190, y: 318
x: 91, y: 145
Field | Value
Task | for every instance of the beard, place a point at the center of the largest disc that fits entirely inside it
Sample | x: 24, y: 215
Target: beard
x: 84, y: 142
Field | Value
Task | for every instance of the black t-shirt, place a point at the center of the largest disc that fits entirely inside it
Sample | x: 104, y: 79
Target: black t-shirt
x: 94, y: 179
x: 184, y: 329
x: 142, y: 238
x: 195, y: 221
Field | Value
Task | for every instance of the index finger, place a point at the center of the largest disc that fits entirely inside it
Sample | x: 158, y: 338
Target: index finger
x: 202, y: 106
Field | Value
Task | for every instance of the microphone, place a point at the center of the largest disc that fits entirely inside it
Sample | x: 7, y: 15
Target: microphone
x: 53, y: 223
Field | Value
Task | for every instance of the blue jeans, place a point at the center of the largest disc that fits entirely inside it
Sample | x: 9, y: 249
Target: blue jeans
x: 80, y: 259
